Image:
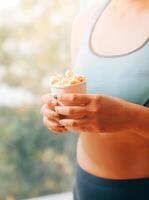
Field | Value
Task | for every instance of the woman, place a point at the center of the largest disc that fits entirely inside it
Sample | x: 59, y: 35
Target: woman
x: 111, y: 49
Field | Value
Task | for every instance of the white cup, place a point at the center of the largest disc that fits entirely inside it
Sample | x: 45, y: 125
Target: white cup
x: 80, y: 88
x: 76, y: 88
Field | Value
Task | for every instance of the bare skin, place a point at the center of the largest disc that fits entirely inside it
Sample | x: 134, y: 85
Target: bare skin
x: 114, y: 155
x: 110, y: 152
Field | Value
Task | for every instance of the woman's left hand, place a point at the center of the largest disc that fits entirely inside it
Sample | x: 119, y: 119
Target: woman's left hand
x: 94, y: 113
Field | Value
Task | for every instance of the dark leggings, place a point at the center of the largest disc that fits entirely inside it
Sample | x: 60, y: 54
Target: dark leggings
x: 90, y: 187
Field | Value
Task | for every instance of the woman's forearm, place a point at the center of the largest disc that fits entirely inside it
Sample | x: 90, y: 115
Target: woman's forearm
x: 140, y: 121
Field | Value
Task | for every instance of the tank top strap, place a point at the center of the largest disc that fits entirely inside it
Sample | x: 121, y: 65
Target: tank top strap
x: 92, y: 22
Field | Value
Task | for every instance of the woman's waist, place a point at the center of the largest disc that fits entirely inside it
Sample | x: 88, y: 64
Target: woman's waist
x: 113, y: 157
x: 86, y: 177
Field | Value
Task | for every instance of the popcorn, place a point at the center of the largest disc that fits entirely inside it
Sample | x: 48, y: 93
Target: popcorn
x: 68, y: 79
x: 68, y: 73
x: 53, y: 81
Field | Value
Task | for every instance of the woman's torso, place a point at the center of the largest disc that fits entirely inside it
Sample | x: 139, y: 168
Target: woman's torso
x: 120, y: 155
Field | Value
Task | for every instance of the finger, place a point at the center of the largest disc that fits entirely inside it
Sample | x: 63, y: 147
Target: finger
x: 74, y: 123
x: 71, y: 110
x: 54, y: 126
x: 45, y: 106
x: 77, y: 125
x: 49, y: 99
x: 51, y: 123
x: 49, y: 113
x: 74, y: 99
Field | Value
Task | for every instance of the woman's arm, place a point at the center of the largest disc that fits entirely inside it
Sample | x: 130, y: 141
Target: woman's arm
x: 103, y: 114
x: 140, y: 122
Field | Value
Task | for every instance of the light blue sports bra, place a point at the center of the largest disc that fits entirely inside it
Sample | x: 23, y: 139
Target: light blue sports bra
x: 125, y: 76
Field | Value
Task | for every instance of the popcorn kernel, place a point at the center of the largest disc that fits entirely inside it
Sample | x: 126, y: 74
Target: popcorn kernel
x: 68, y: 79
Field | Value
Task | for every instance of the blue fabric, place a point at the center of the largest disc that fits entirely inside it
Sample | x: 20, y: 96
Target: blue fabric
x: 125, y: 76
x: 90, y: 187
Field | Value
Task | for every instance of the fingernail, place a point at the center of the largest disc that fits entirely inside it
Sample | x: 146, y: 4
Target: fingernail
x: 53, y: 102
x: 57, y: 108
x: 56, y: 115
x: 55, y: 96
x: 62, y: 122
x: 61, y: 116
x: 61, y: 126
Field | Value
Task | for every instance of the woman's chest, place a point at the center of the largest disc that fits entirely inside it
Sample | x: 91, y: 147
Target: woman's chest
x: 117, y: 35
x: 125, y: 77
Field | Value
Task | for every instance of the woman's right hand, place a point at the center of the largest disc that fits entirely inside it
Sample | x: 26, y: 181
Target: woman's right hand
x: 50, y: 117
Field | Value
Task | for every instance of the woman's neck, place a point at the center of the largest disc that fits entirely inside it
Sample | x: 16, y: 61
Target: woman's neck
x: 131, y: 1
x: 136, y: 4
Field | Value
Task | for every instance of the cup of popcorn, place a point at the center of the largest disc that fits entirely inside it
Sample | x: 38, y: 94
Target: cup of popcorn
x: 68, y: 83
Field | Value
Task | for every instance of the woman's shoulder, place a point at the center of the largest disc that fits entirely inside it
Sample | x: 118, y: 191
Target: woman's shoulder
x: 78, y: 27
x: 84, y: 15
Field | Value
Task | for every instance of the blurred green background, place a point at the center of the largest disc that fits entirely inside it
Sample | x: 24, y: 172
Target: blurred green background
x: 34, y: 44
